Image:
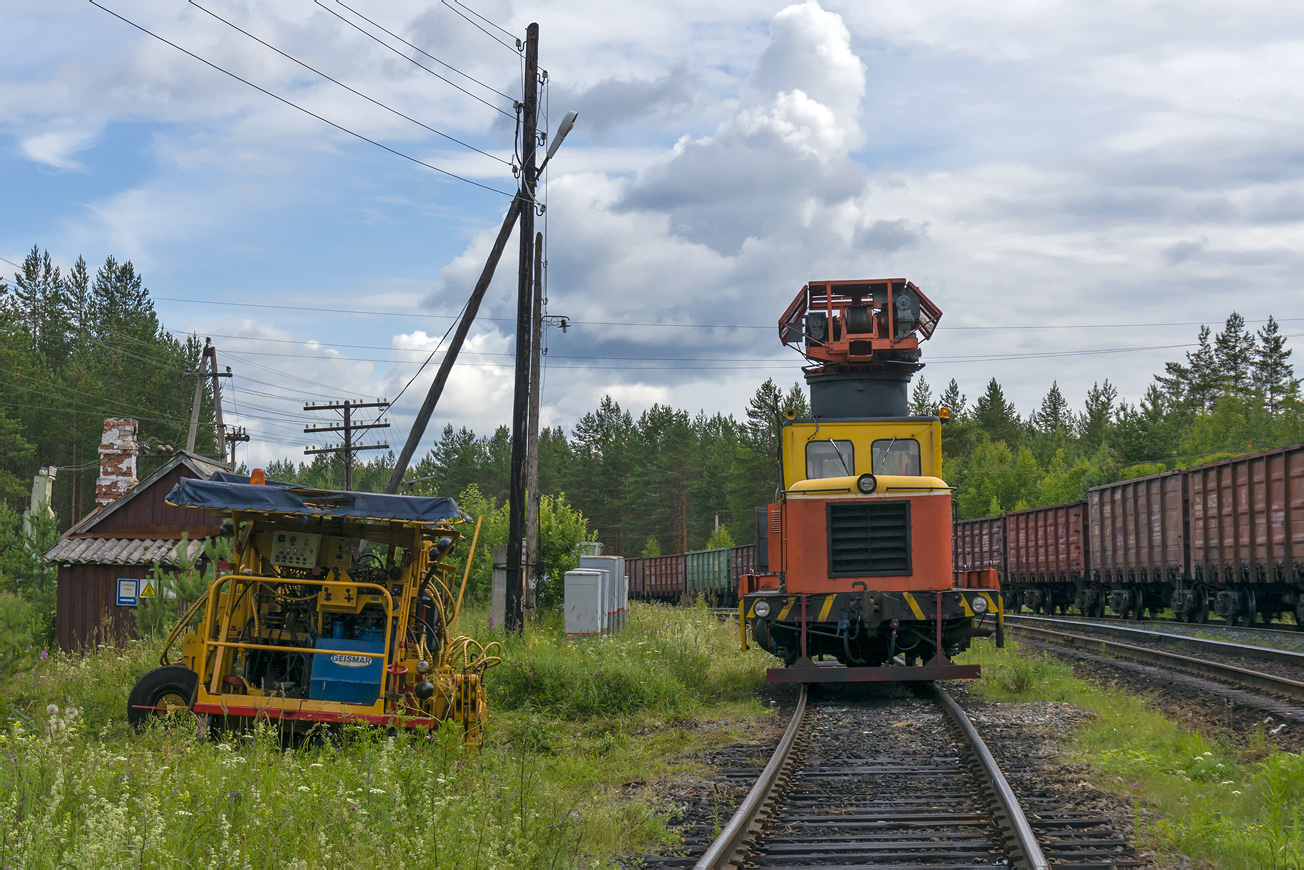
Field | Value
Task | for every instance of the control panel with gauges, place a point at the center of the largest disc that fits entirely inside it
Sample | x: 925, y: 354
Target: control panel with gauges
x: 295, y: 549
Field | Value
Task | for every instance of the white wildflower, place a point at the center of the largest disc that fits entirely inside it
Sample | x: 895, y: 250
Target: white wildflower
x: 52, y: 710
x: 377, y: 791
x: 304, y: 788
x: 184, y: 813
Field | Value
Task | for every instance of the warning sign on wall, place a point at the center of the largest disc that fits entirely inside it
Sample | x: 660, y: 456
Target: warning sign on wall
x: 147, y: 589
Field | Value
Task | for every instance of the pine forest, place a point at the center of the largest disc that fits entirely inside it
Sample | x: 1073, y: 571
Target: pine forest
x: 80, y: 345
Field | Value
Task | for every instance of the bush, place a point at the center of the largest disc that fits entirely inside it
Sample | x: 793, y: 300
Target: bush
x: 562, y: 530
x: 19, y: 635
x: 180, y: 585
x: 22, y: 571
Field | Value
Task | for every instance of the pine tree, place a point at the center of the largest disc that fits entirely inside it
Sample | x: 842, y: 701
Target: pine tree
x: 1273, y: 375
x: 1234, y: 355
x: 921, y: 399
x: 1193, y: 386
x: 954, y: 400
x: 602, y: 448
x: 80, y: 309
x: 1094, y: 423
x: 995, y: 416
x: 1053, y: 416
x: 795, y: 399
x: 40, y: 302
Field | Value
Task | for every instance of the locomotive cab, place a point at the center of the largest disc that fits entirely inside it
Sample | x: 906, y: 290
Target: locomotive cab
x: 855, y: 579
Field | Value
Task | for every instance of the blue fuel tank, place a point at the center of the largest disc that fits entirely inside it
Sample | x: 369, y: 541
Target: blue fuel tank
x: 344, y: 678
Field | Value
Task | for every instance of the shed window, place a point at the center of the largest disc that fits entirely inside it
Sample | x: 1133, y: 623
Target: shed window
x: 896, y: 456
x: 829, y: 459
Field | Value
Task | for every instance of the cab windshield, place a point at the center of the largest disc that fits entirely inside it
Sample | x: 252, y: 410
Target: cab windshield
x: 829, y: 459
x: 896, y: 456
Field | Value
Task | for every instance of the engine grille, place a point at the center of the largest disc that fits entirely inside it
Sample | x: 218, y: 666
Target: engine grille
x: 869, y: 538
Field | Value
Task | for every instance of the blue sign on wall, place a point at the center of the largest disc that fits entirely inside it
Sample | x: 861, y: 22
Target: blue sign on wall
x: 127, y: 589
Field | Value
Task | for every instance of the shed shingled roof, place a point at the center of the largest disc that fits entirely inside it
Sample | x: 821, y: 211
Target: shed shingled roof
x: 200, y: 466
x: 120, y: 551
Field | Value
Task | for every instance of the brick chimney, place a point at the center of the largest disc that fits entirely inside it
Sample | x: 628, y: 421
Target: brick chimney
x: 118, y: 450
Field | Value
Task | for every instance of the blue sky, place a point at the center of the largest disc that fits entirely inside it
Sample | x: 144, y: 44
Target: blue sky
x: 1119, y: 171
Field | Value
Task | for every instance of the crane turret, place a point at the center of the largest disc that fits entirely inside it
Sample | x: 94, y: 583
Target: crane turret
x: 862, y: 339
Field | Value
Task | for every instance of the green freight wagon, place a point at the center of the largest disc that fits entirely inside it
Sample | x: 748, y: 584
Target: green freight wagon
x: 707, y: 573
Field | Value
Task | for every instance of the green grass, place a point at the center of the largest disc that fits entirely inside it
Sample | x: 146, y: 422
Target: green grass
x: 583, y: 737
x: 1222, y: 804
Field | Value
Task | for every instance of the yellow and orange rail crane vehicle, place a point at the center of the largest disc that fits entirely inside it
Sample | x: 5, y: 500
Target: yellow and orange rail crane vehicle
x: 855, y: 580
x: 340, y: 607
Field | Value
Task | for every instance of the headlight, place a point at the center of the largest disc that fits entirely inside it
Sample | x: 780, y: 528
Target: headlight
x: 866, y: 483
x: 762, y: 609
x: 980, y: 605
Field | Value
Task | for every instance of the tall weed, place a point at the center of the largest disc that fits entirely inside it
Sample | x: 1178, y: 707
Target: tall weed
x: 79, y: 789
x: 668, y: 661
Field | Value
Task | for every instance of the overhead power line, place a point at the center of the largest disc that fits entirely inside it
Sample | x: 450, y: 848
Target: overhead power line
x: 354, y: 91
x: 516, y: 49
x: 296, y: 106
x: 442, y: 63
x: 503, y: 30
x: 771, y: 326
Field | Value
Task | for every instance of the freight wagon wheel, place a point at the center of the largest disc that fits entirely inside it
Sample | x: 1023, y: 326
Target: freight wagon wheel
x: 1097, y: 607
x: 160, y: 693
x: 1249, y: 608
x: 1200, y: 613
x: 1138, y: 607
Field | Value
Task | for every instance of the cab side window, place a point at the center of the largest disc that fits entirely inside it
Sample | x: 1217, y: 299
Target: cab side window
x: 829, y: 459
x: 896, y: 456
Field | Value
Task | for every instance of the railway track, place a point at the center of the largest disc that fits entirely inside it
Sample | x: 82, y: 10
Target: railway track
x: 899, y: 781
x: 1283, y: 631
x: 1091, y: 638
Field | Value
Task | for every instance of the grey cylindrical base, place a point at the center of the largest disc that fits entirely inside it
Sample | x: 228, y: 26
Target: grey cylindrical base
x: 881, y: 394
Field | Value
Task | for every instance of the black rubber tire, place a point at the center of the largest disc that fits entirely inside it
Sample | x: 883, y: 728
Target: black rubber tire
x: 170, y: 681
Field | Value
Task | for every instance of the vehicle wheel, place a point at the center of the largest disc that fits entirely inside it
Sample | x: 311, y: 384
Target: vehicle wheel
x: 1201, y: 613
x: 171, y: 687
x: 1138, y: 607
x: 1250, y: 609
x: 1098, y: 606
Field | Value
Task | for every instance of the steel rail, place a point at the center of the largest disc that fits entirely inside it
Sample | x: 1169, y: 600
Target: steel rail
x: 1276, y: 629
x: 1241, y: 677
x: 727, y: 848
x: 1028, y: 846
x: 1284, y: 656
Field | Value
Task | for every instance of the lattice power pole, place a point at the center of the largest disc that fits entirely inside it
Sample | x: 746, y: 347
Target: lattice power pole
x: 348, y: 427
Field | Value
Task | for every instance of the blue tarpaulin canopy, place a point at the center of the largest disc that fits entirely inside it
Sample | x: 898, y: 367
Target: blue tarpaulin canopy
x: 230, y: 492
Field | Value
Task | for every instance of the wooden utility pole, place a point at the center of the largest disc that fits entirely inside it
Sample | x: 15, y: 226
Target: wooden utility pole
x: 455, y: 346
x: 234, y: 437
x: 348, y: 428
x: 208, y: 369
x: 514, y: 613
x: 532, y: 445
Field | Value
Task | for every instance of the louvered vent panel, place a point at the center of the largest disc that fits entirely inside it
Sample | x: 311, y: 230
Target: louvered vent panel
x: 869, y: 538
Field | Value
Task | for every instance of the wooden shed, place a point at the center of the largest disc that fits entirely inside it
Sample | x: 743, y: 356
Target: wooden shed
x: 123, y: 540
